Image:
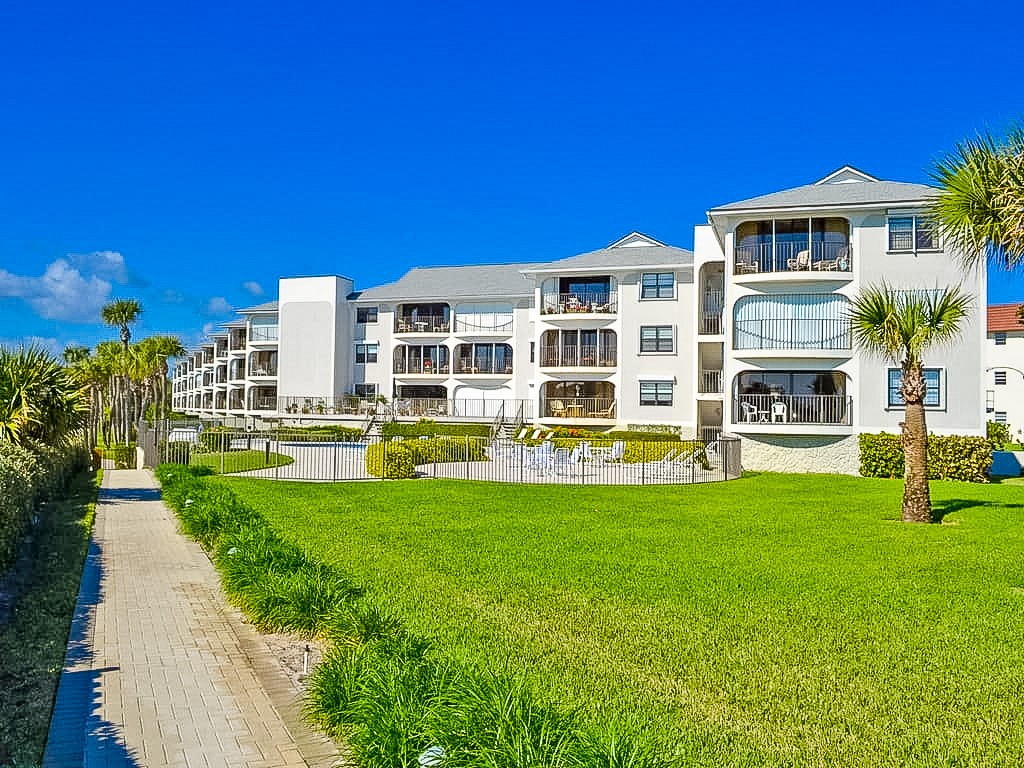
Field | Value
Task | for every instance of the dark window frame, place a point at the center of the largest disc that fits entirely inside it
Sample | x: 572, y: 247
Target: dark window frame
x: 656, y: 393
x: 366, y: 315
x: 659, y: 339
x: 364, y: 353
x: 895, y: 378
x: 655, y: 289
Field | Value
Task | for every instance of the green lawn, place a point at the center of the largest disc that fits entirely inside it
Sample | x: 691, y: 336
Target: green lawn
x: 239, y: 461
x: 773, y: 620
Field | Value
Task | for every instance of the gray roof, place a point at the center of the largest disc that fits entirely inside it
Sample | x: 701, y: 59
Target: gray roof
x: 267, y: 306
x: 234, y: 324
x: 622, y: 257
x: 478, y: 280
x: 836, y: 194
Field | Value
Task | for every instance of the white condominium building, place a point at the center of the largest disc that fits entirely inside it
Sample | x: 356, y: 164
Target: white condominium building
x: 1004, y: 368
x: 749, y: 334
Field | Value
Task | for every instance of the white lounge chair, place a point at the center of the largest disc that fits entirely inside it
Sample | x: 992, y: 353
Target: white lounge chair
x: 614, y: 453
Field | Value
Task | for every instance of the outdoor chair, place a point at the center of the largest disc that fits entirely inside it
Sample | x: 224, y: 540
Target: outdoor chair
x: 557, y: 409
x: 779, y: 412
x: 606, y: 455
x: 750, y: 412
x: 801, y: 262
x: 679, y: 463
x: 603, y: 413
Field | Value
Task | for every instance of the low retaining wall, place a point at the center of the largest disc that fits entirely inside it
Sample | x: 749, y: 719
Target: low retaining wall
x: 801, y: 453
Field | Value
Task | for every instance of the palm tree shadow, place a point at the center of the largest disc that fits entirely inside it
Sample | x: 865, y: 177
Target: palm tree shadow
x: 948, y: 506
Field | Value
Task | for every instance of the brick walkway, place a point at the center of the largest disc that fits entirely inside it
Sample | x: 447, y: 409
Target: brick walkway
x: 160, y: 671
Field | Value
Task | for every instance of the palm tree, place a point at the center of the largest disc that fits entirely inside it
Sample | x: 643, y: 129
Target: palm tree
x: 122, y: 313
x: 39, y: 400
x: 160, y: 348
x: 980, y: 210
x: 902, y: 326
x: 73, y: 354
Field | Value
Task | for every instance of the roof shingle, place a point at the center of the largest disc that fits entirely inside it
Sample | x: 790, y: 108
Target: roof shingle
x: 1003, y: 317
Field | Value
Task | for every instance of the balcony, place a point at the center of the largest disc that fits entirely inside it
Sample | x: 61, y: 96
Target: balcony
x: 712, y: 303
x: 262, y: 334
x: 784, y: 409
x: 236, y: 341
x: 580, y: 302
x: 483, y: 359
x: 260, y: 368
x: 578, y: 356
x: 825, y: 334
x: 576, y: 408
x: 710, y: 382
x: 432, y: 324
x: 790, y: 246
x: 263, y: 399
x: 420, y: 367
x: 464, y: 367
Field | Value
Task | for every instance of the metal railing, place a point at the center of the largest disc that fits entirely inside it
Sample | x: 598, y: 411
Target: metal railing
x: 711, y: 307
x: 500, y: 324
x: 422, y: 324
x: 793, y: 409
x: 263, y: 333
x: 465, y: 409
x: 710, y: 381
x: 788, y: 333
x: 786, y: 256
x: 257, y: 368
x: 578, y: 408
x: 578, y: 356
x: 473, y: 366
x: 601, y: 301
x: 262, y: 403
x: 295, y: 454
x: 426, y: 367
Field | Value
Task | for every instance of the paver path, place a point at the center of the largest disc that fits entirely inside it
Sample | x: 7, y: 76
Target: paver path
x: 160, y: 671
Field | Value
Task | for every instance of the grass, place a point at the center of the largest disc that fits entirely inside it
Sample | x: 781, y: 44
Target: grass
x: 775, y: 620
x: 239, y: 461
x: 33, y: 641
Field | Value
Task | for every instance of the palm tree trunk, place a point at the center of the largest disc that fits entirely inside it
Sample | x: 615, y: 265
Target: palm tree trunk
x: 917, y: 502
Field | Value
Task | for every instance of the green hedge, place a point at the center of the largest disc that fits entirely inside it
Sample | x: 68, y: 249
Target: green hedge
x: 122, y: 455
x: 997, y: 434
x: 430, y: 428
x: 29, y: 475
x: 950, y: 457
x: 398, y: 459
x: 335, y: 432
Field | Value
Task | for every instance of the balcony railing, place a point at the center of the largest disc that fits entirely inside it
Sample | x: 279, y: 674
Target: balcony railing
x: 263, y: 333
x: 237, y: 341
x: 578, y: 408
x: 237, y: 373
x: 710, y: 382
x: 426, y: 367
x: 262, y: 369
x: 711, y: 312
x: 793, y: 409
x: 422, y: 324
x: 263, y: 403
x: 471, y: 409
x: 822, y: 333
x: 579, y: 356
x: 606, y: 302
x: 793, y: 257
x: 470, y: 324
x: 470, y: 367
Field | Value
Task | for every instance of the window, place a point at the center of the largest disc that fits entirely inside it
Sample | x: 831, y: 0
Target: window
x: 533, y: 351
x: 933, y: 380
x: 1000, y: 338
x: 366, y: 390
x: 657, y: 285
x: 366, y: 353
x: 655, y: 393
x: 656, y: 338
x: 1000, y: 377
x: 912, y: 233
x: 366, y: 314
x: 1000, y: 417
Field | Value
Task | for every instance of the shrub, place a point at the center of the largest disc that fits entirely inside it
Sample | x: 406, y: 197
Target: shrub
x: 335, y: 432
x: 215, y: 440
x: 997, y: 434
x: 430, y: 428
x: 391, y: 460
x: 121, y: 454
x: 950, y: 457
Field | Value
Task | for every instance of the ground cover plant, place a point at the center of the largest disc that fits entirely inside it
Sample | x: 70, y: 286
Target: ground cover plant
x: 776, y: 620
x: 33, y: 634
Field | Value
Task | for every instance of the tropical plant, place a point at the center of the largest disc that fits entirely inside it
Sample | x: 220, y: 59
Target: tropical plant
x: 980, y: 211
x: 121, y: 313
x: 901, y: 326
x: 38, y: 399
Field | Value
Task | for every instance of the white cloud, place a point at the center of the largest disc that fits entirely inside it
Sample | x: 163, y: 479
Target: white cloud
x: 48, y: 343
x: 218, y: 305
x: 63, y: 292
x: 209, y: 328
x: 105, y: 264
x: 252, y: 287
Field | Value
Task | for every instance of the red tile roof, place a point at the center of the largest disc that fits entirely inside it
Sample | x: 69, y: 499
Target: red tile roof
x: 1003, y: 317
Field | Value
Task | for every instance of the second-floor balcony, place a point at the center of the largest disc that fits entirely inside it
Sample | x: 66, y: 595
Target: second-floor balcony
x: 580, y: 302
x: 423, y: 318
x: 711, y: 306
x: 578, y: 356
x: 263, y: 365
x: 710, y: 381
x: 262, y: 334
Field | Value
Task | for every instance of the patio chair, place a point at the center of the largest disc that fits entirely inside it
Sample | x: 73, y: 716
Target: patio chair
x: 713, y: 454
x: 801, y: 262
x: 557, y: 409
x: 540, y: 456
x: 779, y: 412
x: 606, y: 455
x: 678, y: 464
x: 750, y: 412
x: 604, y: 413
x: 521, y: 435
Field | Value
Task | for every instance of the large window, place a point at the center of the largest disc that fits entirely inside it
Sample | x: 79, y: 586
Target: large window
x: 483, y: 358
x: 933, y: 381
x: 791, y: 397
x: 912, y: 233
x: 657, y: 285
x: 780, y: 245
x: 366, y: 353
x: 655, y: 393
x: 366, y: 315
x: 431, y: 359
x: 656, y: 338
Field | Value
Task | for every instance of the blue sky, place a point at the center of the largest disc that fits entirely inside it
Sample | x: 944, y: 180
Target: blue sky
x: 189, y: 154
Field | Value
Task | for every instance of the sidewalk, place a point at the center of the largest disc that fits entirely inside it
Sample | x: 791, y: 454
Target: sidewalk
x: 160, y: 671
